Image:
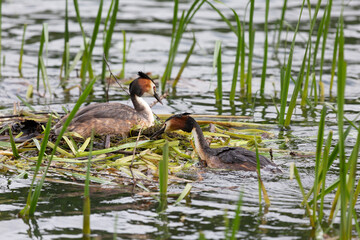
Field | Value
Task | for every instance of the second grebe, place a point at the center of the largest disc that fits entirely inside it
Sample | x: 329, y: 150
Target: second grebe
x: 115, y: 118
x: 235, y: 158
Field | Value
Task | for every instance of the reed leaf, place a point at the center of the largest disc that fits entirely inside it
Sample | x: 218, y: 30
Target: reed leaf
x: 237, y: 58
x: 163, y: 170
x: 30, y: 206
x: 176, y: 80
x: 341, y: 82
x: 184, y: 193
x: 251, y: 51
x: 178, y: 28
x: 236, y: 221
x: 286, y: 81
x: 43, y: 41
x: 320, y: 139
x: 284, y: 6
x: 263, y: 73
x: 22, y: 52
x: 217, y: 56
x: 334, y: 60
x: 36, y: 195
x: 109, y: 33
x: 87, y: 208
x: 13, y: 145
x: 66, y: 60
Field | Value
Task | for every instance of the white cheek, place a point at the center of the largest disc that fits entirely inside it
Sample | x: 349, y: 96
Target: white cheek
x: 150, y: 92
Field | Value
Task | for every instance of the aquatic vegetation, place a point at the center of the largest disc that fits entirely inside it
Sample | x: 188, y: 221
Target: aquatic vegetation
x: 154, y: 167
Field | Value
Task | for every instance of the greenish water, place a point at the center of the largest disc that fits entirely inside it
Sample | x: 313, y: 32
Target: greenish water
x: 148, y: 23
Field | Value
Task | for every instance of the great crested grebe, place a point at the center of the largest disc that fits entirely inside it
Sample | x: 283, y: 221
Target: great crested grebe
x: 115, y: 118
x: 235, y: 158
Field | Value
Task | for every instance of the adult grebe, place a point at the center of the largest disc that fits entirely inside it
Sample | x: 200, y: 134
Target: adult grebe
x: 235, y: 158
x: 115, y: 118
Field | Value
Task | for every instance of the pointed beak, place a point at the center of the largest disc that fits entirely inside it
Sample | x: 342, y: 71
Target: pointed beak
x: 157, y: 97
x: 161, y: 131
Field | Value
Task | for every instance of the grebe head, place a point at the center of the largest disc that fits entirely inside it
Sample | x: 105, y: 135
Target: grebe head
x: 144, y: 85
x: 177, y: 122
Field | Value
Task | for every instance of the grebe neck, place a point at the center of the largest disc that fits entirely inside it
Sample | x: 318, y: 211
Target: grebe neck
x: 143, y: 108
x: 202, y: 147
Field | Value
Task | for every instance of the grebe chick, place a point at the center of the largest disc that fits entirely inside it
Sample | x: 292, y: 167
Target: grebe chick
x: 115, y: 118
x: 235, y: 158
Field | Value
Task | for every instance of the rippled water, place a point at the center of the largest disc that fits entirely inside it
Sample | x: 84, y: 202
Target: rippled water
x: 148, y: 23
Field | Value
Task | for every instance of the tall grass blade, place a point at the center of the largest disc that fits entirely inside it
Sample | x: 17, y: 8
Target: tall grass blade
x: 286, y: 81
x: 323, y: 172
x: 13, y: 145
x: 43, y: 42
x: 242, y: 64
x: 236, y: 222
x: 82, y: 98
x: 87, y: 208
x: 178, y: 28
x: 44, y: 75
x: 263, y: 73
x: 327, y: 17
x: 184, y: 193
x: 251, y: 51
x: 163, y: 177
x: 284, y: 6
x: 108, y: 37
x: 31, y: 204
x: 93, y: 39
x: 218, y: 90
x: 237, y: 58
x: 66, y: 59
x: 122, y: 73
x: 319, y: 145
x: 22, y: 52
x: 176, y: 80
x: 334, y: 60
x: 296, y: 90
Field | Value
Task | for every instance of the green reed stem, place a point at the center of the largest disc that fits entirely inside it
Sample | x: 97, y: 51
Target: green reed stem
x: 341, y: 83
x: 263, y: 73
x: 237, y: 58
x: 281, y: 23
x: 183, y: 65
x: 87, y: 208
x: 178, y: 28
x: 30, y: 206
x: 286, y: 81
x: 323, y: 172
x: 43, y: 41
x: 236, y: 221
x: 327, y: 15
x: 13, y: 145
x: 304, y: 95
x: 66, y: 59
x: 242, y: 64
x: 108, y: 37
x: 251, y: 51
x: 22, y: 52
x: 320, y: 140
x: 36, y: 195
x: 296, y: 90
x: 334, y: 59
x: 122, y: 73
x: 258, y: 170
x: 217, y: 58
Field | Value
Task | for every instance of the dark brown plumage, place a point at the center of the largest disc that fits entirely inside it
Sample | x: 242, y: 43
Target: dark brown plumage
x: 115, y: 118
x: 235, y: 158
